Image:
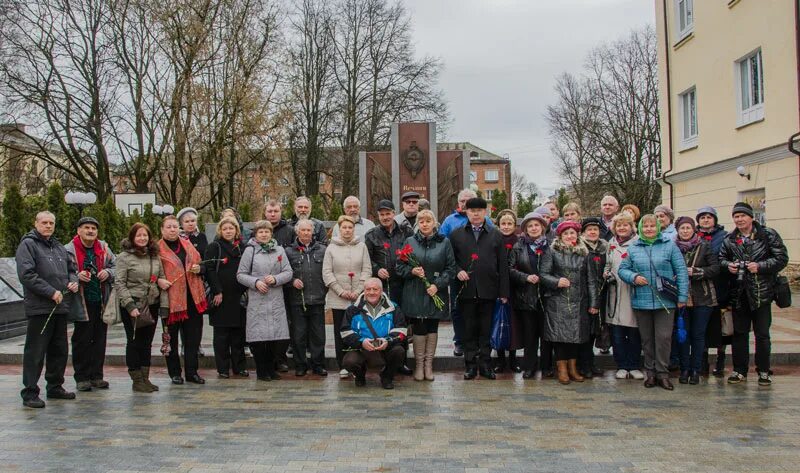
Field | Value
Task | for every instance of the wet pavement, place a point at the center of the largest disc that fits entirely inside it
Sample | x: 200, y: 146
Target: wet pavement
x: 449, y: 425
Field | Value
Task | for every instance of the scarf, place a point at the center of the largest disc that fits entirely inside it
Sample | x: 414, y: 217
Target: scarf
x: 646, y: 240
x: 80, y: 253
x: 268, y: 246
x: 621, y: 240
x: 537, y: 244
x: 592, y: 245
x: 174, y: 271
x: 688, y: 245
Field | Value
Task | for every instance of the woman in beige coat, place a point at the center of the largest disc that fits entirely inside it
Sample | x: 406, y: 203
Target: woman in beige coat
x: 619, y: 314
x: 345, y: 268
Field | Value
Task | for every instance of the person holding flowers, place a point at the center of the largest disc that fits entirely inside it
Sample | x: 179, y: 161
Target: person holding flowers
x: 264, y: 269
x: 650, y: 257
x: 344, y: 269
x: 482, y: 260
x: 571, y: 298
x: 139, y: 281
x: 226, y: 312
x: 46, y: 273
x: 427, y: 265
x: 182, y: 265
x: 598, y: 249
x: 306, y: 295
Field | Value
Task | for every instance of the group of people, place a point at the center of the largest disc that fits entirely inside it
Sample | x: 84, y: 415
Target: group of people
x: 570, y: 283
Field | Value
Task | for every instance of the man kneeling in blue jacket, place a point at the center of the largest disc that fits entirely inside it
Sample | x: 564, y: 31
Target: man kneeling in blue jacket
x: 374, y: 329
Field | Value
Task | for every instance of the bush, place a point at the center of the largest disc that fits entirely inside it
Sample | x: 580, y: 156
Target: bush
x: 13, y: 226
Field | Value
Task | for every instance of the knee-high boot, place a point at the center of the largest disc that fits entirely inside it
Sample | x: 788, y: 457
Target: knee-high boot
x: 419, y: 357
x: 430, y: 351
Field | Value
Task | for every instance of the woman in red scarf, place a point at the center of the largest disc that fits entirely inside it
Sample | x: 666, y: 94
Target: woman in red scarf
x: 187, y: 300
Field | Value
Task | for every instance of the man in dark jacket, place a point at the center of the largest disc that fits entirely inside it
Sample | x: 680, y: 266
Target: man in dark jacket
x: 483, y: 262
x: 282, y: 230
x: 96, y: 267
x: 306, y: 296
x: 609, y: 206
x: 302, y: 210
x: 755, y: 254
x: 46, y: 271
x: 374, y: 329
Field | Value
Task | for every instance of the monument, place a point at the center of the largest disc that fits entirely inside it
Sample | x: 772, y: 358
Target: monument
x: 413, y: 164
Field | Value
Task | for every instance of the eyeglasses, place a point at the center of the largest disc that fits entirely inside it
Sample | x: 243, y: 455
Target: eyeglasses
x: 411, y: 201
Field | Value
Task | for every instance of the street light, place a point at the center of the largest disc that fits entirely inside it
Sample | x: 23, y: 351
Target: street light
x: 165, y: 209
x: 80, y: 199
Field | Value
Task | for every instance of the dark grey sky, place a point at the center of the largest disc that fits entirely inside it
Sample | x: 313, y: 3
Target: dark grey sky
x: 501, y: 58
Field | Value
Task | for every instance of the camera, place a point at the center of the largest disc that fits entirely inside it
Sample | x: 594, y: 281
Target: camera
x: 376, y: 342
x: 741, y: 270
x: 611, y: 280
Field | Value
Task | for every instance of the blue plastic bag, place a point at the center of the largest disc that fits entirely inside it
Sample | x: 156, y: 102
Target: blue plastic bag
x: 501, y: 326
x: 680, y: 329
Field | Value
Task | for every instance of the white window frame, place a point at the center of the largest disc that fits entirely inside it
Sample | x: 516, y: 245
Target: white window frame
x: 684, y: 18
x: 489, y: 194
x: 747, y: 91
x: 494, y: 177
x: 688, y: 138
x: 473, y: 176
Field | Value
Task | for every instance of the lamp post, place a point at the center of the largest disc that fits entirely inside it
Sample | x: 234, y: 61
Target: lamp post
x: 162, y: 210
x: 80, y: 199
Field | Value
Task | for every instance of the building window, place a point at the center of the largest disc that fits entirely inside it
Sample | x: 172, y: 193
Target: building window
x: 321, y: 179
x: 473, y: 176
x: 491, y: 175
x: 750, y: 77
x: 474, y: 155
x: 489, y: 194
x: 684, y: 13
x: 688, y: 103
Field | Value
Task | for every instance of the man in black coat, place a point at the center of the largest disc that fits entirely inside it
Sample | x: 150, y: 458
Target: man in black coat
x: 483, y: 260
x: 755, y: 254
x: 46, y: 272
x: 282, y: 230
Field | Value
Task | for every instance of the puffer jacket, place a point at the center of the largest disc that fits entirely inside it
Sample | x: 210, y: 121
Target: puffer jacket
x: 381, y: 257
x: 766, y: 249
x: 567, y: 318
x: 133, y: 279
x: 44, y: 267
x: 722, y: 282
x: 523, y: 261
x: 389, y: 323
x: 341, y: 259
x: 435, y: 255
x: 705, y: 268
x: 667, y: 261
x: 306, y: 263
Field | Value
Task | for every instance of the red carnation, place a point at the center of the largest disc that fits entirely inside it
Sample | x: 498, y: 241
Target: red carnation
x: 474, y: 256
x: 494, y: 209
x: 739, y: 241
x: 386, y: 246
x: 351, y: 274
x: 225, y: 260
x: 575, y: 243
x: 596, y: 259
x: 153, y: 278
x: 280, y: 258
x: 539, y: 252
x: 624, y: 255
x: 509, y: 246
x: 613, y: 247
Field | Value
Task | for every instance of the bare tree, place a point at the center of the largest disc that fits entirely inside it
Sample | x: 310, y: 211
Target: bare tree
x: 521, y: 186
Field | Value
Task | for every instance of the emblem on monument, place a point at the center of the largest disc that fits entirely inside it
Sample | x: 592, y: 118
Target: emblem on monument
x: 414, y: 160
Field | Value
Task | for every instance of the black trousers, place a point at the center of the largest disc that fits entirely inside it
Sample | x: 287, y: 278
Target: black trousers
x: 586, y: 355
x: 566, y: 351
x: 191, y: 332
x: 229, y: 349
x: 50, y: 346
x: 138, y: 348
x: 89, y: 345
x: 424, y: 326
x: 531, y: 334
x: 264, y: 356
x: 338, y: 317
x: 388, y: 360
x: 477, y: 314
x: 308, y: 334
x: 760, y: 320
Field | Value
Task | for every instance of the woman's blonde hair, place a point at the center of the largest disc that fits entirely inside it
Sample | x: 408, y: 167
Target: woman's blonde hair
x: 571, y: 206
x: 633, y: 210
x: 620, y: 218
x: 648, y: 217
x: 345, y: 218
x: 262, y: 224
x: 229, y: 221
x: 428, y: 214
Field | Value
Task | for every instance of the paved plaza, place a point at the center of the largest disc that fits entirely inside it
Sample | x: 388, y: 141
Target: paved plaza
x: 449, y: 425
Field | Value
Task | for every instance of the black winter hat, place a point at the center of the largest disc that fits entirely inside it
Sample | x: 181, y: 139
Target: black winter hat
x: 476, y: 203
x: 742, y: 208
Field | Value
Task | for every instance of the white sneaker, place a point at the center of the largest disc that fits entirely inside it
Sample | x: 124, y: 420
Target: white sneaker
x: 344, y: 374
x: 621, y: 374
x: 637, y: 374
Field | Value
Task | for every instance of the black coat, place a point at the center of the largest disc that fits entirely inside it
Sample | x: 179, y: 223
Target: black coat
x: 221, y: 278
x: 597, y: 259
x: 375, y: 238
x: 307, y: 267
x: 320, y: 233
x: 44, y: 267
x: 489, y: 272
x: 525, y: 296
x: 766, y: 249
x: 283, y: 233
x: 706, y: 269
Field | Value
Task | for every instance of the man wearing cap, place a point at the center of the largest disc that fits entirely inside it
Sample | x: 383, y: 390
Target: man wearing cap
x: 755, y: 254
x: 95, y: 263
x: 382, y: 243
x: 352, y: 208
x: 483, y: 262
x: 46, y: 273
x: 408, y: 217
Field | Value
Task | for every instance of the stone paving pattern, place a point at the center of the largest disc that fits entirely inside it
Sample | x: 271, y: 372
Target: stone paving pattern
x: 449, y: 425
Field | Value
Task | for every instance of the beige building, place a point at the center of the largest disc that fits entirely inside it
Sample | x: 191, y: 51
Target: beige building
x: 728, y: 94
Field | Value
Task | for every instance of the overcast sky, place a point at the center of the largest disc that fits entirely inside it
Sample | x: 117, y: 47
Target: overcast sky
x: 500, y: 60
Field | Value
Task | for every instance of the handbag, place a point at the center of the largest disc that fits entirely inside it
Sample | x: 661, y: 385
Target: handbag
x: 726, y: 322
x: 665, y: 287
x: 111, y: 314
x: 782, y: 294
x: 603, y: 340
x: 501, y: 327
